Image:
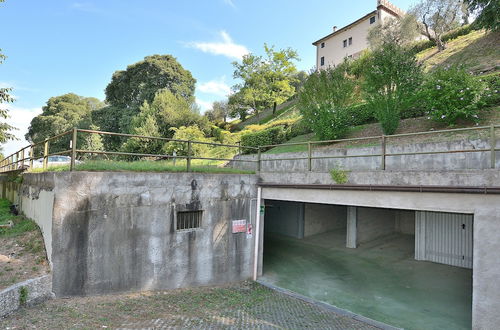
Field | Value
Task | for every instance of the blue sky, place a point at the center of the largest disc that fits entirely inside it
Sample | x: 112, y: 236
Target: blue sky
x: 60, y: 46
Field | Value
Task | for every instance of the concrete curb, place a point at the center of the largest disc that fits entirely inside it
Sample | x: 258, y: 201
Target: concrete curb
x: 39, y: 289
x: 335, y: 309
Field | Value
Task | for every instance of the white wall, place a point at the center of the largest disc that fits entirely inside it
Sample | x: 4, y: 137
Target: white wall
x: 334, y: 51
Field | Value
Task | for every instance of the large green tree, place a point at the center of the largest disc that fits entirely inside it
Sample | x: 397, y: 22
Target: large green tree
x: 401, y: 30
x: 159, y: 119
x: 438, y: 17
x: 266, y: 81
x: 4, y: 113
x: 219, y: 112
x: 5, y: 97
x: 489, y: 13
x: 60, y: 114
x: 142, y: 80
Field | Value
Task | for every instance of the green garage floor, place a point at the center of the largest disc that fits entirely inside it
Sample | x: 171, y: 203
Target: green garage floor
x: 379, y: 280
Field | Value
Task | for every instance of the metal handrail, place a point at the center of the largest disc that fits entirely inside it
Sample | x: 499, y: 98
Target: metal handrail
x: 11, y: 162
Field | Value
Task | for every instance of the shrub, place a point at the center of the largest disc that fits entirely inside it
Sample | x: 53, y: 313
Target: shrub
x: 391, y: 83
x: 325, y: 100
x: 361, y: 114
x: 190, y: 133
x: 23, y: 295
x: 299, y: 128
x: 451, y: 94
x: 491, y: 95
x: 272, y: 135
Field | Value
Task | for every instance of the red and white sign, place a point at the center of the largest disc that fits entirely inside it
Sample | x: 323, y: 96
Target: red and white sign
x: 239, y: 226
x: 249, y: 230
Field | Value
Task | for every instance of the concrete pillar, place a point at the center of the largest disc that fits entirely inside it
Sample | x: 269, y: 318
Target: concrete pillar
x: 486, y: 287
x: 352, y: 227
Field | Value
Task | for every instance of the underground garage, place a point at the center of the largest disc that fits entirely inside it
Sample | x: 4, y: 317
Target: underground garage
x: 410, y: 269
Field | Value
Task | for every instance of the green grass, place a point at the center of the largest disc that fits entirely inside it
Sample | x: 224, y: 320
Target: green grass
x: 477, y: 51
x: 294, y: 148
x: 143, y: 166
x: 21, y: 224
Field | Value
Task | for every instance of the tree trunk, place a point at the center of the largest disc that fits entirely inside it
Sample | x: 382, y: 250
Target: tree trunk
x: 440, y: 44
x: 274, y: 108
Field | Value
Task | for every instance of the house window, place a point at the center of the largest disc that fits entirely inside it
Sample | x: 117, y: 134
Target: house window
x: 322, y: 45
x: 350, y: 41
x: 322, y: 60
x: 372, y: 20
x: 189, y: 220
x: 345, y: 43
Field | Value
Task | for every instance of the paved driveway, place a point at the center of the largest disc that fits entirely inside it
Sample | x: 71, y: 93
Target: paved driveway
x: 245, y: 305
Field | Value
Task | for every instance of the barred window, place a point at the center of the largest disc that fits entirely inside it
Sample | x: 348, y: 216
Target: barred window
x: 189, y: 220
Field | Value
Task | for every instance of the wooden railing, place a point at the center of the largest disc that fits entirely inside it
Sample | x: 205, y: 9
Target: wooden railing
x: 25, y: 157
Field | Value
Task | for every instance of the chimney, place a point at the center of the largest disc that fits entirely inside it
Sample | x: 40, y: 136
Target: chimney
x: 335, y: 28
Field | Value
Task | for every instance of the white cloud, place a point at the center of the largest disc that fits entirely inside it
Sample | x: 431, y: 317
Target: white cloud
x: 230, y: 3
x: 85, y: 7
x: 21, y: 119
x: 226, y: 47
x: 204, y: 105
x: 215, y: 87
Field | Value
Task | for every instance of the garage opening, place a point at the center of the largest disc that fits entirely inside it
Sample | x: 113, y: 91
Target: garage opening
x: 406, y: 268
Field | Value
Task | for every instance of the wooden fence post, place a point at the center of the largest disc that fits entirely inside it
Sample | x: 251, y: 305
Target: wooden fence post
x: 258, y: 159
x: 45, y: 154
x: 493, y: 144
x: 32, y: 154
x: 73, y: 149
x: 383, y: 153
x: 188, y: 160
x: 309, y: 156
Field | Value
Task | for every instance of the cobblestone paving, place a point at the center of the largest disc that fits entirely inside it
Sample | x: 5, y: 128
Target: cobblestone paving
x: 242, y: 306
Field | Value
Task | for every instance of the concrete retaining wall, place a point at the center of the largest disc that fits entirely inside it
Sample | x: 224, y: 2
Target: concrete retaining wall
x: 284, y: 218
x: 447, y: 161
x: 405, y: 222
x: 374, y: 223
x: 116, y: 231
x: 38, y: 289
x: 320, y: 218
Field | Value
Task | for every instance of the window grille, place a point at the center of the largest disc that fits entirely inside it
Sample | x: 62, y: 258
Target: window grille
x: 189, y: 220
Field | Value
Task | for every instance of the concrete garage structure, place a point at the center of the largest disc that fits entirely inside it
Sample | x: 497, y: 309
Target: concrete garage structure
x: 480, y: 211
x: 385, y: 233
x: 363, y: 259
x: 111, y: 232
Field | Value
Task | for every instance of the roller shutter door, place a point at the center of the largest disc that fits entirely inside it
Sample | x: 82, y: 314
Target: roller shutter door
x: 444, y: 238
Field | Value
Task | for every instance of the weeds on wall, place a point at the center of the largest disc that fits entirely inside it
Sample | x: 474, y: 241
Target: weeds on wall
x: 23, y: 295
x: 339, y: 175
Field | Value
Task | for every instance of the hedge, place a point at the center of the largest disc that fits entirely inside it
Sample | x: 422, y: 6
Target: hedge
x: 272, y: 135
x: 425, y: 44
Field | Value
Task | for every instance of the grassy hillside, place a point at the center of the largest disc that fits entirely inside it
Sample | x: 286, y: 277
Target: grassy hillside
x: 412, y: 125
x: 478, y: 51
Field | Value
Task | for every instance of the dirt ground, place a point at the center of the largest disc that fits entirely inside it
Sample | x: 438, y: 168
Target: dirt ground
x: 246, y: 305
x: 22, y: 257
